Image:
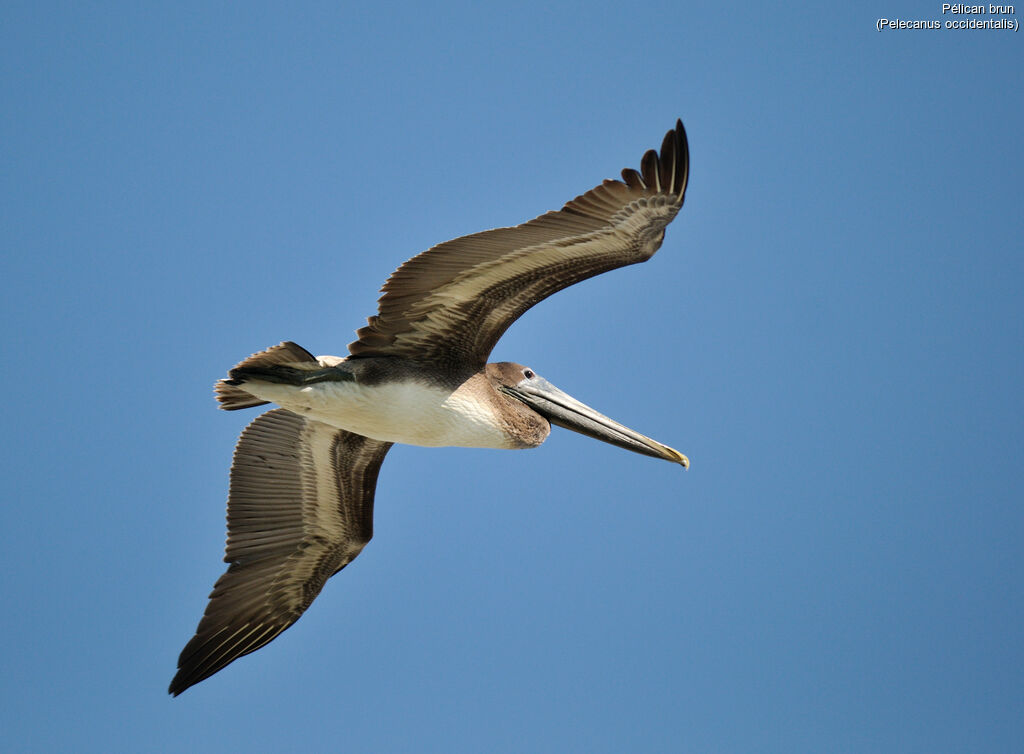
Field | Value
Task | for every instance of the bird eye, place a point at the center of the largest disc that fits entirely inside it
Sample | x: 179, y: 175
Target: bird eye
x: 528, y: 374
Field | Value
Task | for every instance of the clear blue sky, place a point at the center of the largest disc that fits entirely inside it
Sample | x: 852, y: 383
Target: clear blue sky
x: 833, y: 332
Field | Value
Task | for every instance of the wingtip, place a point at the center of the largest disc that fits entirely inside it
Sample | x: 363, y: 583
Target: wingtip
x: 666, y: 170
x: 176, y: 687
x: 682, y: 154
x: 187, y: 676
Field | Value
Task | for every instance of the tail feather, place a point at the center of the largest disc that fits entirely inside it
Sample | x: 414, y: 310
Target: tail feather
x: 232, y: 395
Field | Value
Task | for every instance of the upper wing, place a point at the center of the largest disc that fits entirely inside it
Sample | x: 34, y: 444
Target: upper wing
x: 451, y: 303
x: 300, y: 509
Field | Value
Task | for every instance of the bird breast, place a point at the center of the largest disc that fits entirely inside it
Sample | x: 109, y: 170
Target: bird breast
x: 410, y: 412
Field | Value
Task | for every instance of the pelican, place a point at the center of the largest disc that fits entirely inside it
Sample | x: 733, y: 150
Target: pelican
x: 300, y: 503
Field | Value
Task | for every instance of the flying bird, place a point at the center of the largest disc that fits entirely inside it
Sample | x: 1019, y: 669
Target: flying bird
x: 300, y: 505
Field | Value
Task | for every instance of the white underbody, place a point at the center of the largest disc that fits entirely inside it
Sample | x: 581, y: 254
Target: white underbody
x: 407, y: 412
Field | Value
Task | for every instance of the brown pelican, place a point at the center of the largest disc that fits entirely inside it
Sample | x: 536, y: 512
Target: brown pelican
x: 300, y: 506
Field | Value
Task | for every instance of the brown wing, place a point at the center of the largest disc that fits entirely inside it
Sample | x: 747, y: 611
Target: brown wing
x: 451, y: 303
x: 300, y: 508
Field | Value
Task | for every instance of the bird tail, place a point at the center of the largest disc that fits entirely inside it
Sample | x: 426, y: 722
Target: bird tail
x: 280, y: 359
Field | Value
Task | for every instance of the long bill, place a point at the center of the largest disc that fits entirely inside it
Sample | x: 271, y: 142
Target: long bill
x: 562, y: 410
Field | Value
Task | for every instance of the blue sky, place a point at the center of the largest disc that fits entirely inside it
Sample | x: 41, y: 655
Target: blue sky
x: 833, y: 332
